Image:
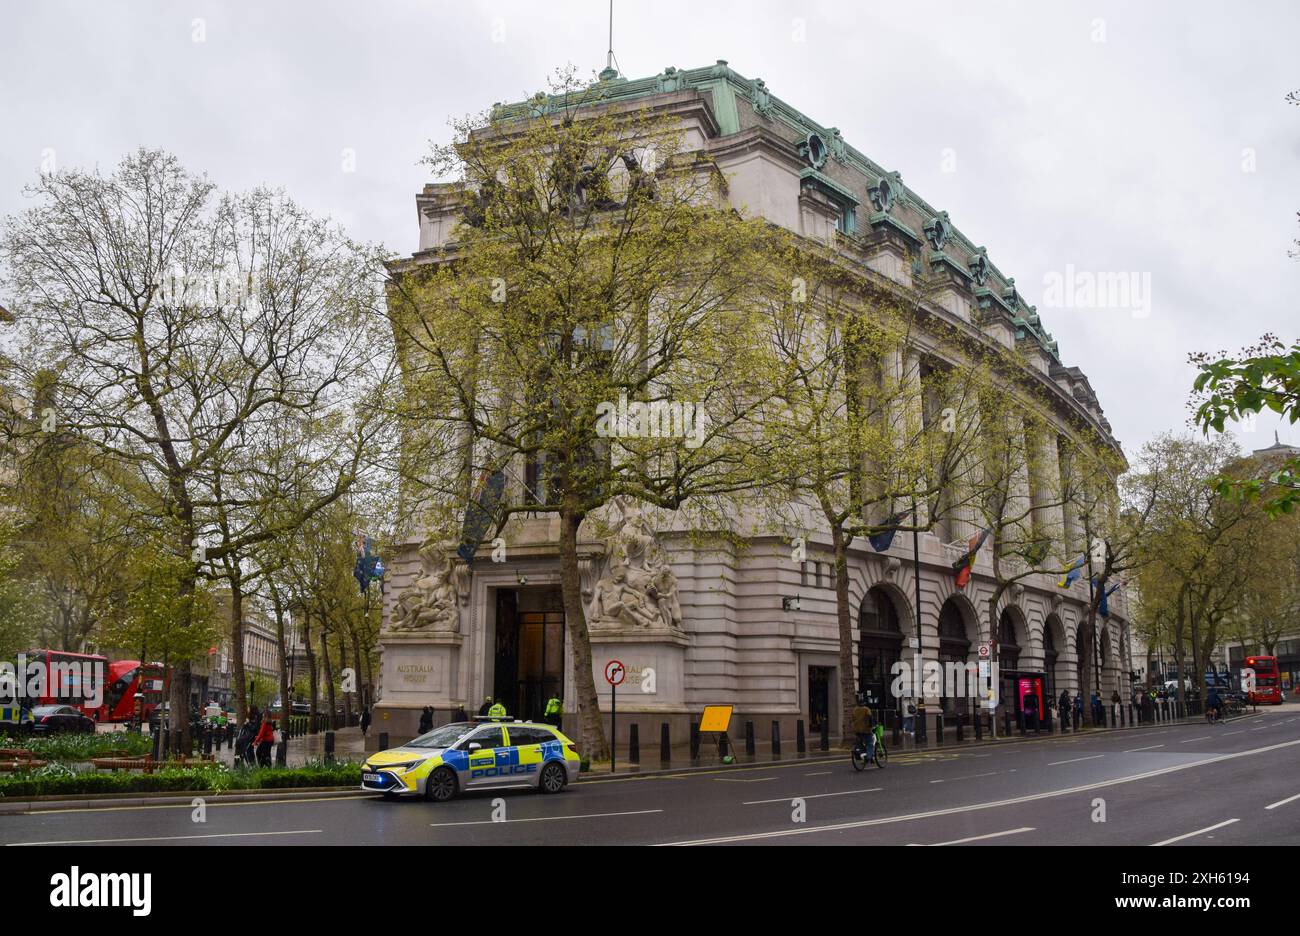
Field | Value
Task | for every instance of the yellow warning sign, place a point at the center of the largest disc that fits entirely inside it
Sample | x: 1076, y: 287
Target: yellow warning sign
x: 715, y: 718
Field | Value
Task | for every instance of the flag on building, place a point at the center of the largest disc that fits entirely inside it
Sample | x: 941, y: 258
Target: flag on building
x: 368, y: 566
x: 1036, y: 552
x: 1103, y: 608
x: 883, y: 539
x: 1072, y: 574
x: 966, y: 563
x: 481, y: 513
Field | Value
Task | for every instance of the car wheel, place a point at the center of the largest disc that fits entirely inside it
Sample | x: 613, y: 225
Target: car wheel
x: 552, y: 779
x: 440, y: 785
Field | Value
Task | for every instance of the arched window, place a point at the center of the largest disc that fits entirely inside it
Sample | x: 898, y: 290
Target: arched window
x: 880, y: 645
x: 1050, y: 656
x: 954, y: 645
x: 1008, y: 649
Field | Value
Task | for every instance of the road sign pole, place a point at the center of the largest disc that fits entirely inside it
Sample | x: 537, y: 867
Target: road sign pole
x: 613, y: 726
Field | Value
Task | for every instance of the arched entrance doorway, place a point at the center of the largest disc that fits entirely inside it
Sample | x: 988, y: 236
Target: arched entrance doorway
x: 954, y: 646
x: 880, y: 645
x: 1053, y: 641
x: 1008, y: 659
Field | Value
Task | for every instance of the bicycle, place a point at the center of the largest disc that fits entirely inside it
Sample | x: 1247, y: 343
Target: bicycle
x: 859, y: 758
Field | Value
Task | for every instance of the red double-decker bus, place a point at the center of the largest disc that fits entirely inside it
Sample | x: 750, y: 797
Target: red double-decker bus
x: 1267, y: 689
x: 70, y: 679
x: 126, y: 680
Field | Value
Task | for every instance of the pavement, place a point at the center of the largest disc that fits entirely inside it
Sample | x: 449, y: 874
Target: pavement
x: 1188, y: 784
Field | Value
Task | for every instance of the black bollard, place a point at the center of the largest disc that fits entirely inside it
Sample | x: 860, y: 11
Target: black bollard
x: 938, y: 729
x: 979, y: 733
x: 383, y: 740
x: 329, y: 747
x: 1051, y: 721
x: 157, y: 744
x: 961, y: 721
x: 282, y: 754
x: 1112, y: 716
x: 800, y: 742
x: 695, y: 741
x: 896, y: 726
x: 665, y: 747
x: 1006, y: 723
x: 826, y: 734
x: 1021, y: 721
x: 633, y: 744
x: 776, y: 738
x: 207, y: 740
x: 749, y: 738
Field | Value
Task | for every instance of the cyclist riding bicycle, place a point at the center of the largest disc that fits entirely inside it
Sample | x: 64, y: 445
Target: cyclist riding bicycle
x: 864, y: 727
x: 1213, y: 705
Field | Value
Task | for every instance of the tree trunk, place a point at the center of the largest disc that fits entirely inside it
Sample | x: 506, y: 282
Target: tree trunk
x: 361, y: 702
x: 590, y: 724
x: 237, y: 638
x: 286, y: 698
x: 311, y: 665
x: 844, y: 618
x: 329, y: 672
x: 343, y: 665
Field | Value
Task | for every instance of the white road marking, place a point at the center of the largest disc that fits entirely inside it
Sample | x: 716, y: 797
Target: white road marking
x: 1015, y: 801
x: 1201, y: 738
x: 165, y: 838
x: 1136, y: 749
x: 1179, y: 838
x: 1074, y: 760
x: 969, y: 777
x: 742, y: 780
x: 1238, y: 731
x: 976, y: 838
x: 820, y: 773
x: 599, y: 815
x: 1289, y: 799
x: 786, y: 799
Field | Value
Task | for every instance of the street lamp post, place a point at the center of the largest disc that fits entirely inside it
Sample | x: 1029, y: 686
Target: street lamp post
x: 919, y: 726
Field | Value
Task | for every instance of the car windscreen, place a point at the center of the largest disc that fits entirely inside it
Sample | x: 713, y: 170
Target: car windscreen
x: 442, y: 737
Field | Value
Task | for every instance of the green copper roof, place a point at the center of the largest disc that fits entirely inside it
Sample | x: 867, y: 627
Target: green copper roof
x: 725, y: 87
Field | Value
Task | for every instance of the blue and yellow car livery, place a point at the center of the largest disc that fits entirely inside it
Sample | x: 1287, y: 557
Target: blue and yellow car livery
x: 15, y: 717
x: 474, y: 755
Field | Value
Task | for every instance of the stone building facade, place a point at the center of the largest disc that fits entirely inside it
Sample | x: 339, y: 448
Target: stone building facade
x: 752, y: 627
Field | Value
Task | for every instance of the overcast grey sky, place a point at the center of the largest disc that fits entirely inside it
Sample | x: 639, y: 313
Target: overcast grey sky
x: 1096, y: 137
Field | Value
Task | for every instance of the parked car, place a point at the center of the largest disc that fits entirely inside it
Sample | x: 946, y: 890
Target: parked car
x: 51, y: 719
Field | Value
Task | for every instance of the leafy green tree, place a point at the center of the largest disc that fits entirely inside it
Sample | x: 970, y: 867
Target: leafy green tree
x: 1229, y: 389
x: 597, y: 261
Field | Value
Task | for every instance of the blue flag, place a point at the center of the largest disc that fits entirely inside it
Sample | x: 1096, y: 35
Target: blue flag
x: 882, y: 540
x: 1072, y: 574
x: 368, y: 566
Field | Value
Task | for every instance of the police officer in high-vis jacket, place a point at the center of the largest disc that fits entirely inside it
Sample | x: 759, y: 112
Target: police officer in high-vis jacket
x: 554, y: 714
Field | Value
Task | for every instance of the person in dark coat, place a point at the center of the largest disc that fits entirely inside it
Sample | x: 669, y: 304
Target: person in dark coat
x: 1065, y: 708
x: 263, y: 741
x: 426, y: 720
x: 460, y: 715
x: 365, y: 721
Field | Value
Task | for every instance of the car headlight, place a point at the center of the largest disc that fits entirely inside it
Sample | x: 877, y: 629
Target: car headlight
x: 408, y: 766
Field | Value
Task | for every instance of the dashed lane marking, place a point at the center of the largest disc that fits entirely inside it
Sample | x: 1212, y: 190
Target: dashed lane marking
x: 977, y: 838
x: 166, y: 838
x: 1289, y: 799
x: 786, y: 799
x: 602, y: 815
x: 1179, y: 838
x: 1074, y: 760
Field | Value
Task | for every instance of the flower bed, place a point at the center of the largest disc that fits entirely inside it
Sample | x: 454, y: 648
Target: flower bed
x: 59, y: 780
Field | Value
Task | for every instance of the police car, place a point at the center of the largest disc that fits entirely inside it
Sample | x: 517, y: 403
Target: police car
x: 474, y: 756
